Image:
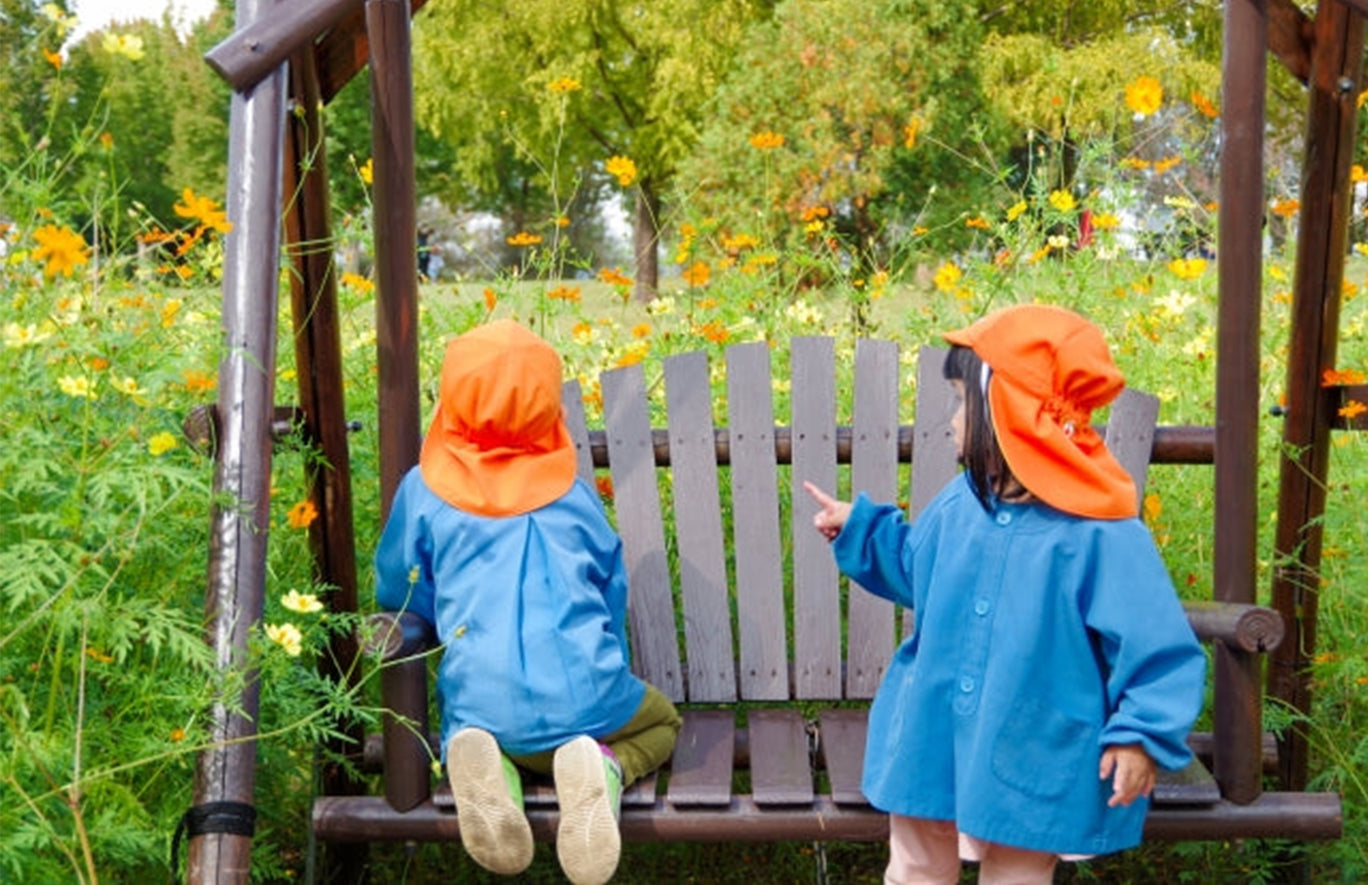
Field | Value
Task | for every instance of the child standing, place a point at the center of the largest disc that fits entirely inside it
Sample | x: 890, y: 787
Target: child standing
x: 495, y: 541
x: 1051, y: 667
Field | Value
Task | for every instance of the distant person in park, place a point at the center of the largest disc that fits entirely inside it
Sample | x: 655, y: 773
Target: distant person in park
x: 424, y: 253
x: 1051, y: 668
x: 495, y: 540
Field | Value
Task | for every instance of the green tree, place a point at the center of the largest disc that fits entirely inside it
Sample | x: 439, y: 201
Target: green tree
x: 536, y: 97
x: 841, y: 115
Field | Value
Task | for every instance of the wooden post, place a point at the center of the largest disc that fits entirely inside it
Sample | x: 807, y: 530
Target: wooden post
x: 318, y: 358
x: 1336, y: 66
x: 1237, y: 705
x: 396, y: 269
x: 220, y: 822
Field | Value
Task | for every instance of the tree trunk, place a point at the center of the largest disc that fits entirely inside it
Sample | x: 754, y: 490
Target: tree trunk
x: 646, y: 241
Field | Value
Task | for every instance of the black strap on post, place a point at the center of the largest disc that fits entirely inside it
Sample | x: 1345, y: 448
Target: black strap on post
x: 234, y: 818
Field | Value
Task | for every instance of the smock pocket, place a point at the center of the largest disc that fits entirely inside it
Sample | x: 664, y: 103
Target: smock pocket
x: 1041, y: 750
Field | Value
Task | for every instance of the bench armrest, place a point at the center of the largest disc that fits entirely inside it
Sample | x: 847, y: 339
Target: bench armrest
x: 1249, y: 628
x: 399, y: 640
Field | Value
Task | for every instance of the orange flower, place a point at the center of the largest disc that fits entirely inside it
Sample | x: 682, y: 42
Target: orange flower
x: 491, y: 299
x: 614, y: 276
x: 523, y: 238
x: 1352, y: 409
x: 204, y: 209
x: 604, y: 484
x: 1338, y: 377
x: 564, y: 293
x: 978, y: 222
x: 1204, y: 106
x: 302, y: 514
x: 714, y: 331
x: 1134, y: 163
x: 763, y: 141
x: 198, y: 382
x: 1286, y: 208
x: 53, y: 58
x: 1166, y: 164
x: 698, y: 274
x: 1144, y: 95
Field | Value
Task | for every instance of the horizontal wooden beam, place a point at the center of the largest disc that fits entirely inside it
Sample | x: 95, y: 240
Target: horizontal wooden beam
x: 1304, y: 816
x: 1290, y: 36
x: 253, y: 51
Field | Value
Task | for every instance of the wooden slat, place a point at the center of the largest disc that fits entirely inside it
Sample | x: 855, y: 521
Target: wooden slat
x: 1130, y: 434
x: 758, y: 554
x: 841, y: 740
x: 572, y: 402
x: 701, y: 771
x: 1192, y: 785
x: 655, y: 645
x: 934, y: 456
x: 781, y: 767
x: 709, y: 658
x: 816, y: 597
x: 539, y: 791
x: 874, y: 470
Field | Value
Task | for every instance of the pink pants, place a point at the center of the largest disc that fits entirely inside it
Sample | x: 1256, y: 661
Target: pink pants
x: 927, y: 852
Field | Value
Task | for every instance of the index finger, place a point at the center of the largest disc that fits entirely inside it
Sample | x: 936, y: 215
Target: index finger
x: 821, y: 497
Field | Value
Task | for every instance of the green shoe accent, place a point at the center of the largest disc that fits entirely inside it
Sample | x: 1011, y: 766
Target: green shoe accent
x: 489, y: 803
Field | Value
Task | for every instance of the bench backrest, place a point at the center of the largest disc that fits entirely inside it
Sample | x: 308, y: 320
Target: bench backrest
x: 767, y: 617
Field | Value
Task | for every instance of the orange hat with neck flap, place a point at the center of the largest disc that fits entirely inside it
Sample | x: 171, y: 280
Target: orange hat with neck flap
x: 498, y: 445
x: 1050, y: 369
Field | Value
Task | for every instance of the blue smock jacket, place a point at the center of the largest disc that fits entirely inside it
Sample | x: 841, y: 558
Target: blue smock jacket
x: 1040, y: 639
x: 531, y: 610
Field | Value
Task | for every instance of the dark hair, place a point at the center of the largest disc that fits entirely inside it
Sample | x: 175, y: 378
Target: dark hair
x: 989, y: 475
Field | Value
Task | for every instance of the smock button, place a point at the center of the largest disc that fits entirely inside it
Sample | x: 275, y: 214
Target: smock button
x: 966, y: 684
x: 1004, y: 517
x: 981, y: 607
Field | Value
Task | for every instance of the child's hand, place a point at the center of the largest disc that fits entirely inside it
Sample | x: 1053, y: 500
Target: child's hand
x: 1134, y: 773
x: 833, y: 513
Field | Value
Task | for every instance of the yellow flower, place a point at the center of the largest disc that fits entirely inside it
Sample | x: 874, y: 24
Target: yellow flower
x: 978, y: 222
x: 584, y: 333
x: 911, y: 131
x: 1015, y: 210
x: 304, y: 603
x: 738, y: 242
x: 356, y: 282
x: 1134, y: 163
x: 698, y: 274
x: 1063, y: 201
x: 159, y: 444
x: 53, y: 58
x: 1187, y: 268
x: 763, y: 141
x: 1164, y: 165
x: 814, y: 226
x: 1357, y: 175
x: 287, y: 636
x: 947, y: 276
x: 562, y: 85
x: 367, y: 171
x: 302, y: 514
x: 523, y: 238
x: 127, y: 386
x: 59, y: 17
x: 1106, y: 221
x: 127, y: 45
x: 204, y: 209
x: 1153, y: 507
x: 621, y: 168
x: 62, y: 248
x: 17, y: 336
x: 81, y: 388
x: 1144, y: 96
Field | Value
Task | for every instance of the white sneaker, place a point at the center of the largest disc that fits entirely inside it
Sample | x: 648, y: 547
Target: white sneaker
x: 588, y: 788
x: 489, y: 803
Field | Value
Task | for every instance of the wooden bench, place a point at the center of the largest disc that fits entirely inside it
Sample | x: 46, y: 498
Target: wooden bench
x: 739, y: 615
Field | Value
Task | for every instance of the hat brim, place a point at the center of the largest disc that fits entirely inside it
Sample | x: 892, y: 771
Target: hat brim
x: 1071, y: 471
x: 497, y: 482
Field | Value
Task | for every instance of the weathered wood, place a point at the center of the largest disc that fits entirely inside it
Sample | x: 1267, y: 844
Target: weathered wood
x: 1239, y: 263
x: 240, y: 514
x: 935, y: 456
x: 816, y: 603
x: 781, y: 770
x: 841, y: 743
x: 701, y: 770
x: 395, y: 233
x: 572, y: 405
x: 254, y: 50
x: 1130, y: 434
x: 636, y: 494
x: 703, y: 586
x: 874, y: 471
x: 1327, y: 205
x: 758, y: 557
x: 1248, y: 628
x: 1289, y: 37
x: 1303, y: 816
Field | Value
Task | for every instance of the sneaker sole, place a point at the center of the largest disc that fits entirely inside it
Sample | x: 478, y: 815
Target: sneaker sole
x: 587, y: 842
x: 494, y: 829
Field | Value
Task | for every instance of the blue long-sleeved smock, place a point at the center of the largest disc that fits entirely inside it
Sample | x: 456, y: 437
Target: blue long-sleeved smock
x: 531, y: 610
x: 1040, y: 638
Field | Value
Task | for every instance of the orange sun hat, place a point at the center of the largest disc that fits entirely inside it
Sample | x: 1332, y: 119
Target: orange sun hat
x: 1050, y: 369
x: 498, y: 445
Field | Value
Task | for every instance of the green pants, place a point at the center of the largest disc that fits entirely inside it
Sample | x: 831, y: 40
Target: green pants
x: 641, y: 746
